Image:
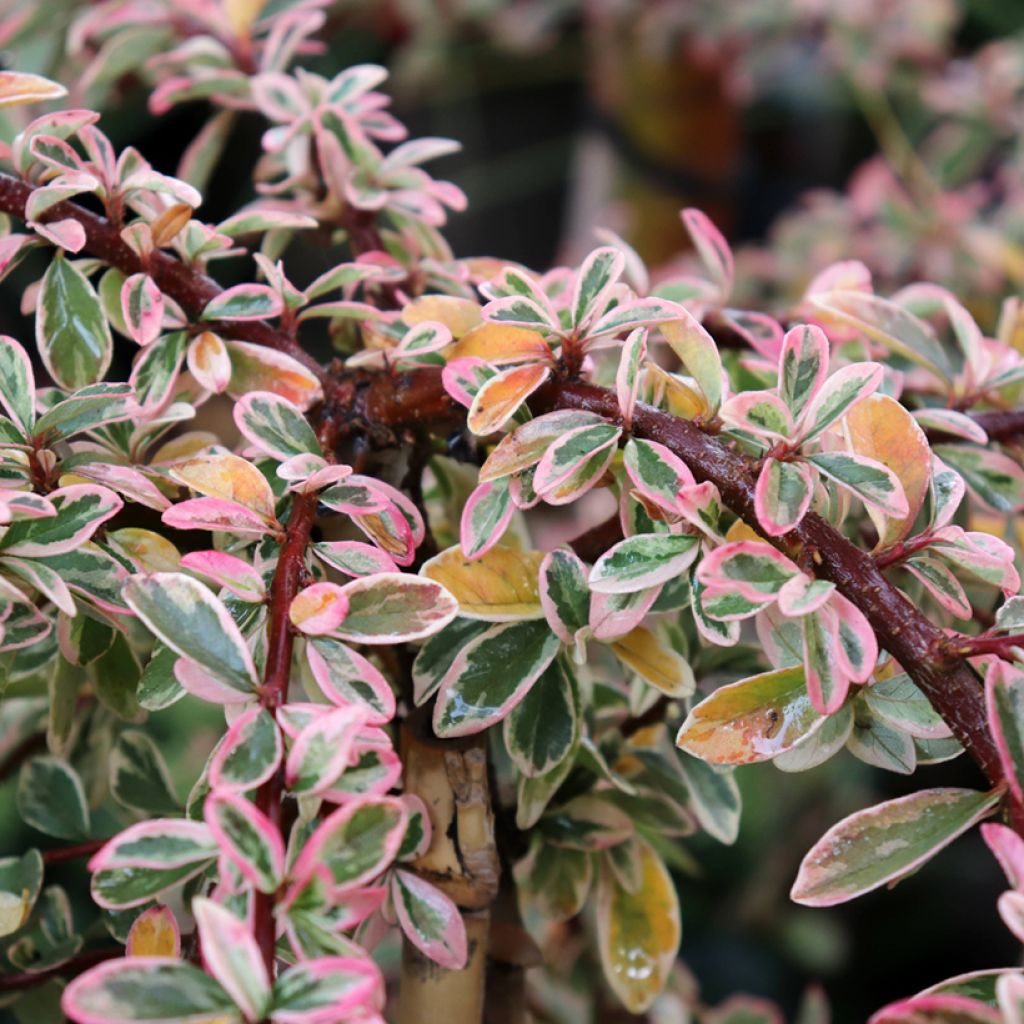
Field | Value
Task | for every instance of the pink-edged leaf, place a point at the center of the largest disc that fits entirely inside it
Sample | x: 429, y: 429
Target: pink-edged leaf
x: 18, y: 87
x: 248, y: 754
x: 328, y: 989
x: 761, y: 413
x: 126, y: 481
x: 949, y: 421
x: 424, y: 337
x: 657, y: 473
x: 802, y: 595
x: 142, y: 306
x: 430, y: 920
x: 228, y: 571
x: 485, y: 517
x: 557, y: 473
x: 629, y: 315
x: 275, y: 425
x: 154, y: 932
x: 615, y: 615
x: 346, y: 678
x: 354, y: 558
x: 464, y: 377
x: 17, y: 384
x: 500, y: 397
x: 699, y: 354
x: 520, y: 311
x: 870, y: 480
x: 318, y: 609
x: 196, y: 680
x: 838, y: 395
x: 138, y: 989
x: 712, y: 248
x: 81, y: 510
x: 593, y: 283
x: 627, y: 377
x: 247, y: 837
x: 231, y: 955
x: 68, y: 233
x: 1004, y: 700
x: 190, y: 620
x: 355, y: 843
x: 1011, y: 910
x: 753, y: 569
x: 418, y: 834
x: 227, y: 477
x: 323, y: 750
x: 214, y: 514
x: 471, y: 696
x: 1008, y: 848
x: 803, y: 366
x: 642, y: 561
x: 244, y: 302
x: 391, y: 608
x: 782, y: 495
x: 147, y: 859
x: 885, y: 843
x: 938, y: 1009
x: 564, y: 594
x: 209, y: 361
x: 827, y: 682
x: 939, y: 580
x: 858, y: 646
x: 525, y: 446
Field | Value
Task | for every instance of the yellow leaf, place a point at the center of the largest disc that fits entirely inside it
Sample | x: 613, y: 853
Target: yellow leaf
x: 679, y: 398
x: 643, y: 652
x: 14, y: 911
x: 152, y: 551
x: 254, y: 368
x: 502, y: 343
x: 17, y: 88
x: 458, y: 315
x: 740, y: 531
x: 154, y: 933
x: 184, y: 447
x: 880, y: 428
x: 638, y: 933
x: 499, y: 398
x: 241, y: 14
x: 500, y: 586
x: 230, y: 478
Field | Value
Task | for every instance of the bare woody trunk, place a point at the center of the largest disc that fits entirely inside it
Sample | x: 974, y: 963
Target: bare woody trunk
x: 450, y: 776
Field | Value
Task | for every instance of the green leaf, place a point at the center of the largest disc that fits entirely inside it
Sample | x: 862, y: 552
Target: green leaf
x: 643, y: 561
x: 21, y: 879
x: 139, y: 779
x: 491, y: 675
x: 158, y: 688
x: 885, y: 843
x: 556, y: 880
x: 539, y: 731
x: 51, y: 798
x: 17, y: 384
x: 71, y: 331
x: 869, y: 480
x: 994, y: 477
x: 714, y: 797
x: 436, y: 656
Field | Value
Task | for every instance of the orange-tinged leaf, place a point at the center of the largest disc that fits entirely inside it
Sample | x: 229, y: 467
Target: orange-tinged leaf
x: 184, y: 447
x: 458, y: 315
x: 499, y: 398
x: 242, y: 13
x: 500, y: 586
x: 638, y: 933
x: 254, y: 368
x: 880, y: 428
x: 17, y: 87
x: 169, y: 223
x: 502, y: 343
x: 154, y: 933
x: 230, y: 478
x: 642, y: 651
x: 740, y: 531
x: 752, y: 720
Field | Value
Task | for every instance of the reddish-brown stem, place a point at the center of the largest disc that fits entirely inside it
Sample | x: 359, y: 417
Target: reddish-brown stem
x: 973, y: 646
x: 67, y: 853
x: 904, y: 549
x: 78, y: 963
